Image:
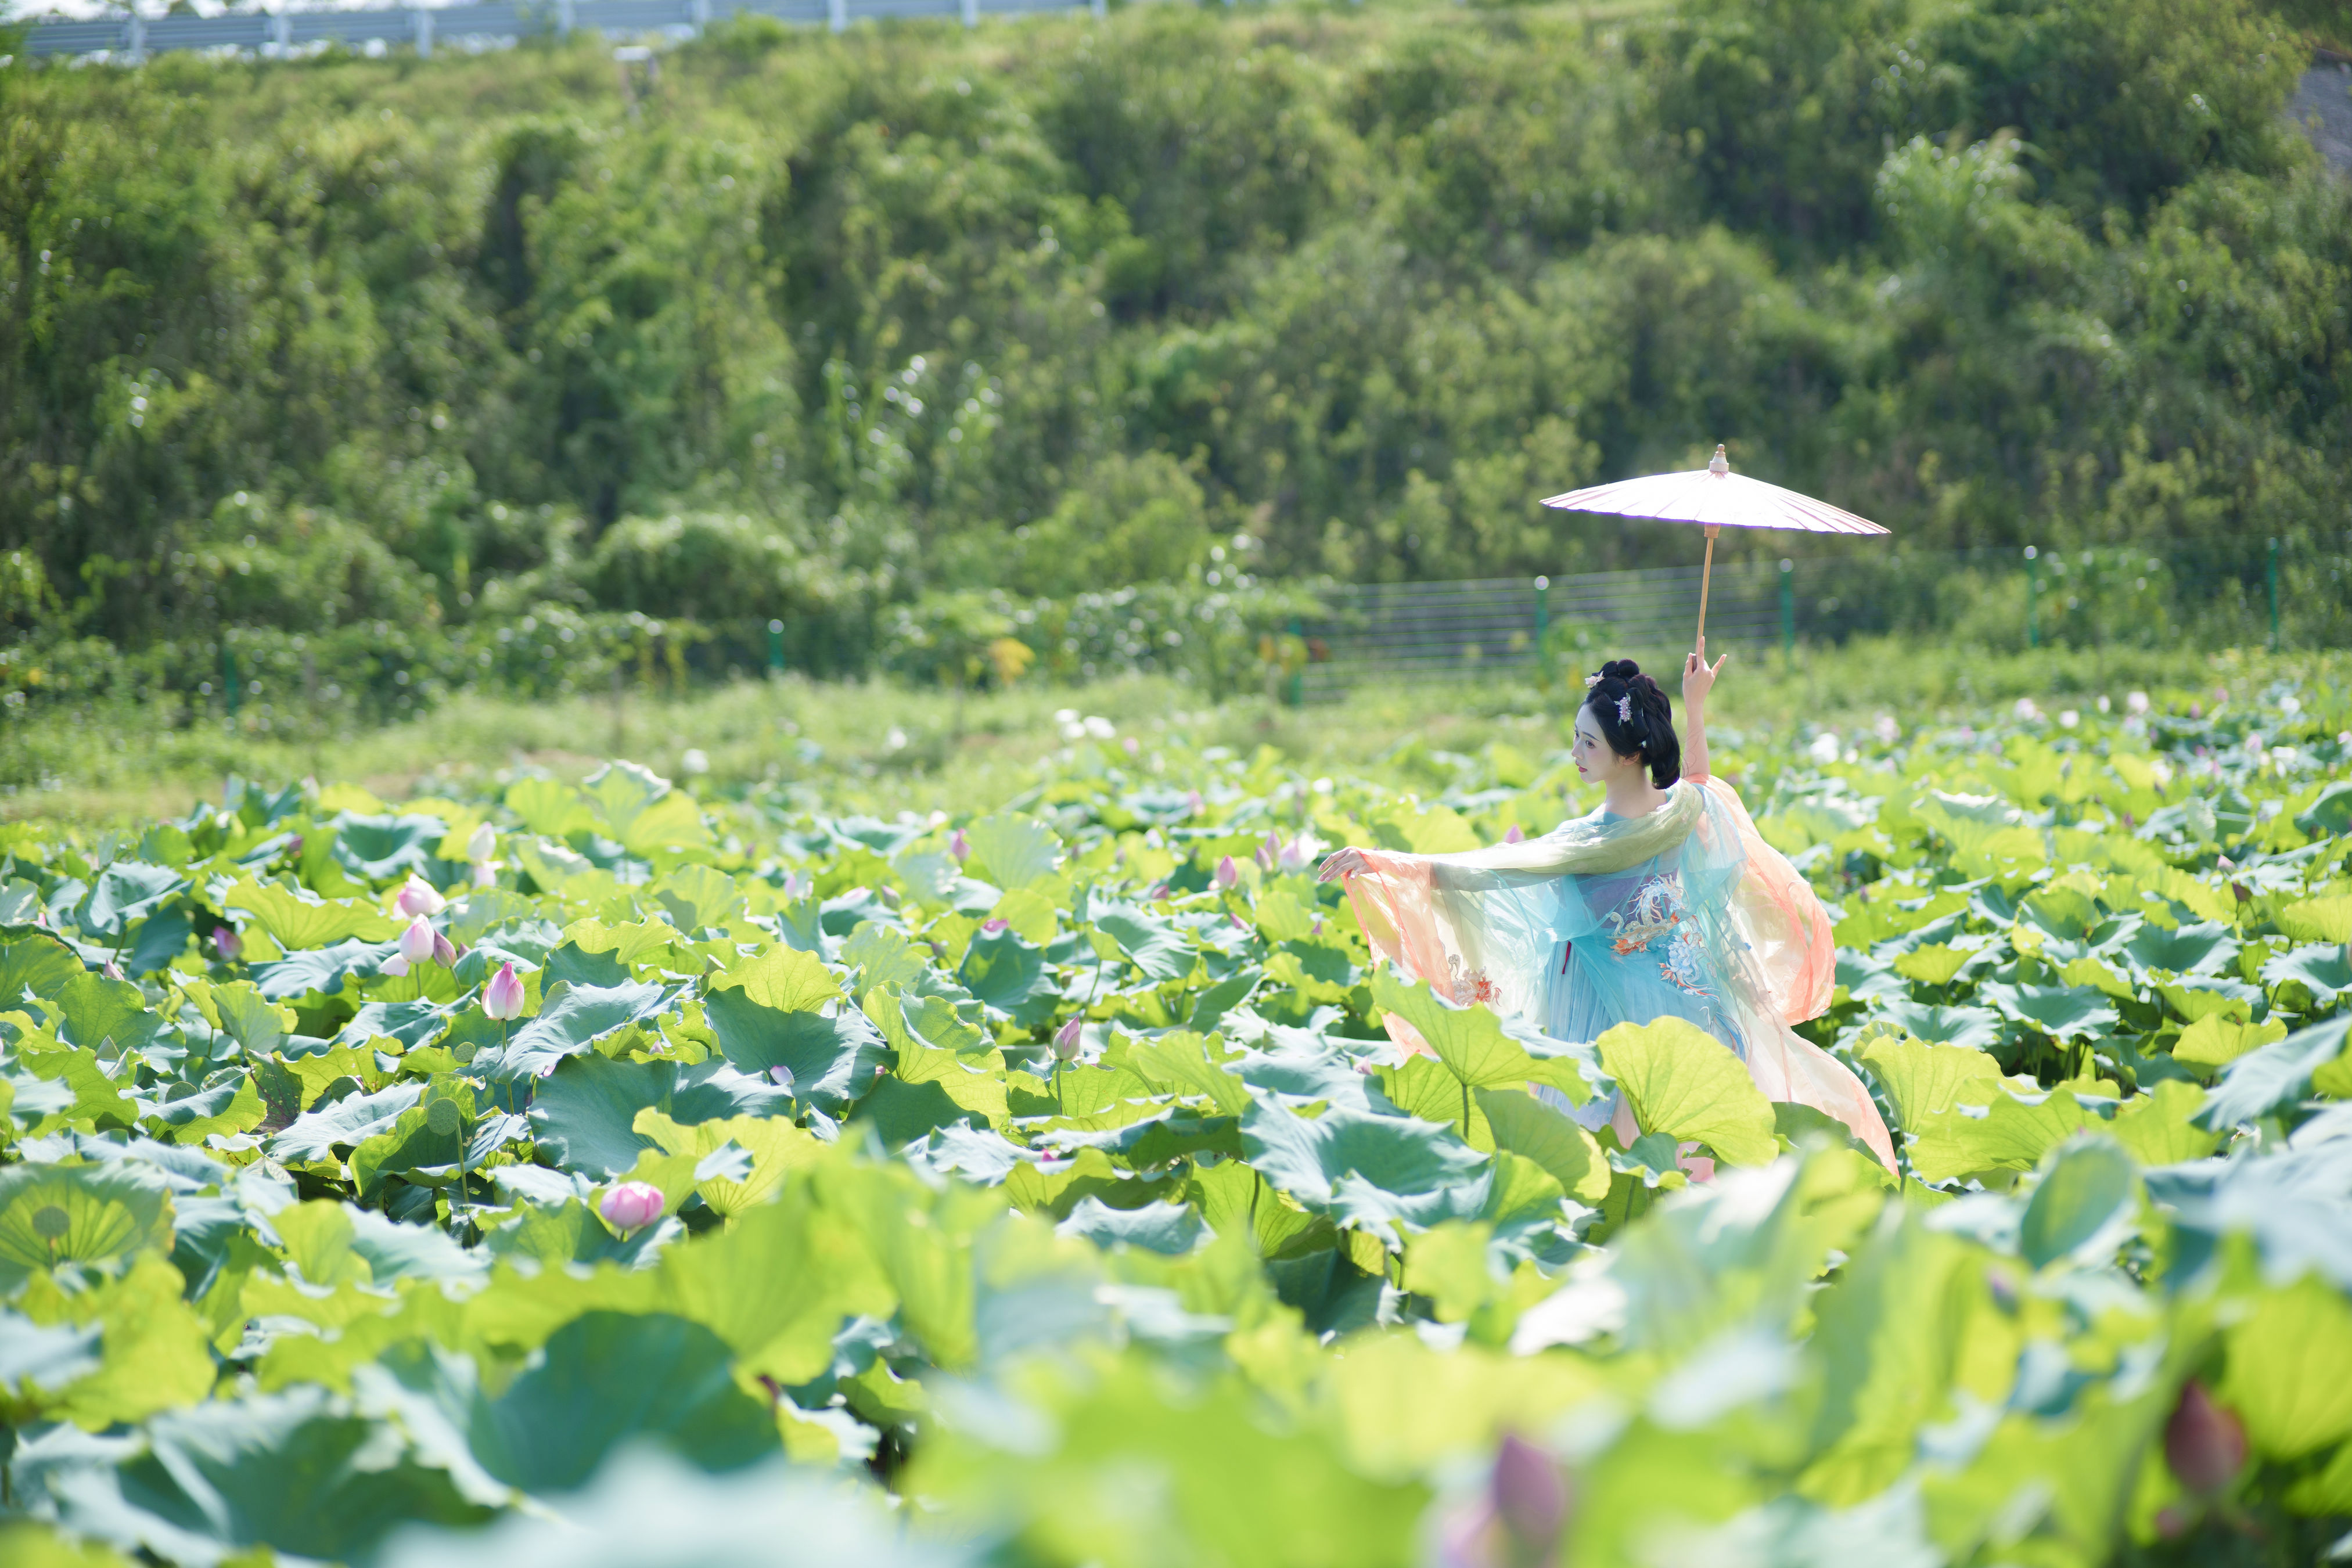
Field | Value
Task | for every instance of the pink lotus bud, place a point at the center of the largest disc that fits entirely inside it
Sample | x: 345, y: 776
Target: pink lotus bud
x: 502, y: 997
x: 1228, y: 874
x: 632, y: 1206
x: 2204, y: 1443
x: 1269, y: 851
x: 1067, y: 1040
x: 113, y: 971
x: 1192, y: 803
x: 416, y: 941
x: 990, y: 928
x: 959, y: 846
x: 444, y: 952
x: 1530, y: 1497
x: 1131, y: 745
x: 417, y: 898
x: 293, y: 850
x: 1514, y: 835
x: 1299, y: 853
x: 486, y: 875
x: 481, y: 843
x: 227, y: 944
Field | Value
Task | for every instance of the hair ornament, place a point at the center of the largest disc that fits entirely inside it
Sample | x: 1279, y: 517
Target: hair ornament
x: 1625, y: 709
x: 1592, y: 680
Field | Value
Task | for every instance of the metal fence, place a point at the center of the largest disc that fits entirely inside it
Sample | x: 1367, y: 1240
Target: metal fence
x: 284, y: 33
x: 2249, y: 593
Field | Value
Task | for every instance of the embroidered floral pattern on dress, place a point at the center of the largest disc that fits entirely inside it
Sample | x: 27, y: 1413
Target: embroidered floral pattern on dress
x: 1653, y: 910
x: 1471, y: 986
x: 1682, y: 966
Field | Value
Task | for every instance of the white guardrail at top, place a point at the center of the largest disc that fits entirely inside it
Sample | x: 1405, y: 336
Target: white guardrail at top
x: 283, y: 33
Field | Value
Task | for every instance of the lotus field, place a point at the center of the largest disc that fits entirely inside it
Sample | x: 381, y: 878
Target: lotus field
x: 602, y: 1173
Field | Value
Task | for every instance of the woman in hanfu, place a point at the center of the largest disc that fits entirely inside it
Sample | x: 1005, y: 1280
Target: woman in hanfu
x: 1663, y: 902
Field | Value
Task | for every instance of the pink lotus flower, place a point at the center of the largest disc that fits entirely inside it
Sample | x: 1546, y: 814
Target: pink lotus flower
x: 959, y: 846
x: 990, y: 928
x: 444, y: 952
x: 1514, y: 835
x: 502, y: 997
x: 1192, y: 803
x: 416, y: 941
x: 1516, y: 1523
x: 632, y: 1206
x: 481, y: 844
x: 1299, y: 853
x: 395, y: 965
x: 227, y: 944
x: 417, y: 898
x: 486, y: 875
x: 113, y: 971
x: 2204, y: 1443
x: 1269, y: 851
x: 1228, y: 874
x: 1067, y: 1040
x: 1530, y: 1497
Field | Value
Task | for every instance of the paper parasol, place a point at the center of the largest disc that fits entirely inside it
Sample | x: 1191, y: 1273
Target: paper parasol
x: 1717, y: 499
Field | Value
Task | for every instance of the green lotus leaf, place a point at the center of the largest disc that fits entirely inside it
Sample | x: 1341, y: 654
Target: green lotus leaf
x: 2075, y: 1210
x: 2259, y: 1082
x: 152, y: 1351
x: 1682, y: 1082
x: 126, y: 892
x: 281, y: 1471
x: 2289, y: 1370
x: 38, y: 965
x: 1524, y: 1125
x: 1171, y: 1229
x: 56, y: 1213
x: 1011, y: 852
x: 1154, y: 945
x: 1007, y: 973
x: 1375, y: 1173
x: 2063, y: 1012
x: 572, y: 1018
x: 583, y: 1114
x: 2012, y: 1131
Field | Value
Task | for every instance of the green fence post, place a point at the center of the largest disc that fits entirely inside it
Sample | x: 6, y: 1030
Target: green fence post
x: 2032, y: 596
x: 1543, y: 625
x: 228, y: 677
x: 2274, y: 586
x: 1298, y: 676
x: 1788, y: 612
x: 775, y: 648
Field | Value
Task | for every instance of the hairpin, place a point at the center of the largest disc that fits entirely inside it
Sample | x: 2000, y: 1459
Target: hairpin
x: 1625, y: 709
x: 1592, y: 680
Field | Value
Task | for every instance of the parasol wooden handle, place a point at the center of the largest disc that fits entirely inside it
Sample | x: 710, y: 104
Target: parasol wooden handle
x: 1707, y: 575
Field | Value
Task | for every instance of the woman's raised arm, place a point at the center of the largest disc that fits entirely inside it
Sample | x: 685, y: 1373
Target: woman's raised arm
x: 1698, y: 679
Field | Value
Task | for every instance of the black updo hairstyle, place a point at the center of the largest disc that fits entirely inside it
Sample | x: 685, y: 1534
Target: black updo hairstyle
x: 1648, y: 730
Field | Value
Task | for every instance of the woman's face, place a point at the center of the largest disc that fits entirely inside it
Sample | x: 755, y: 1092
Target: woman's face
x: 1595, y: 763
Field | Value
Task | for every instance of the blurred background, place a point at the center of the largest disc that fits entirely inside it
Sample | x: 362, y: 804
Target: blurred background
x: 351, y: 369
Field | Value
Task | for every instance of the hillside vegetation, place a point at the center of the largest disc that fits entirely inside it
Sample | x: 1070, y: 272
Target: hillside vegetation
x: 831, y: 329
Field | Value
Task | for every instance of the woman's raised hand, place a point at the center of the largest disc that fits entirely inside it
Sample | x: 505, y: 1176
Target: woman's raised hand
x: 1698, y: 676
x: 1342, y: 863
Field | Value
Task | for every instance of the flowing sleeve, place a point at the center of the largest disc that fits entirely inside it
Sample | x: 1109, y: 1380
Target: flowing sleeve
x: 1780, y: 917
x: 1476, y: 930
x: 1778, y: 961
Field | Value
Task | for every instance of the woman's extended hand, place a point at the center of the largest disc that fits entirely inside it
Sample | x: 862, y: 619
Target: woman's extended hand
x: 1342, y: 863
x: 1698, y: 676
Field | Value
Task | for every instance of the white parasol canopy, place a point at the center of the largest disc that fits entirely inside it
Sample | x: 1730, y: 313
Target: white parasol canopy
x: 1717, y: 499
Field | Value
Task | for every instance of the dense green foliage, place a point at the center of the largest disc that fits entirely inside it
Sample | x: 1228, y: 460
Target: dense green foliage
x: 1053, y: 1169
x: 378, y: 358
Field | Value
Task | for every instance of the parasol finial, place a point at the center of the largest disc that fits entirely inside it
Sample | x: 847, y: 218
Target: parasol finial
x: 1718, y: 464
